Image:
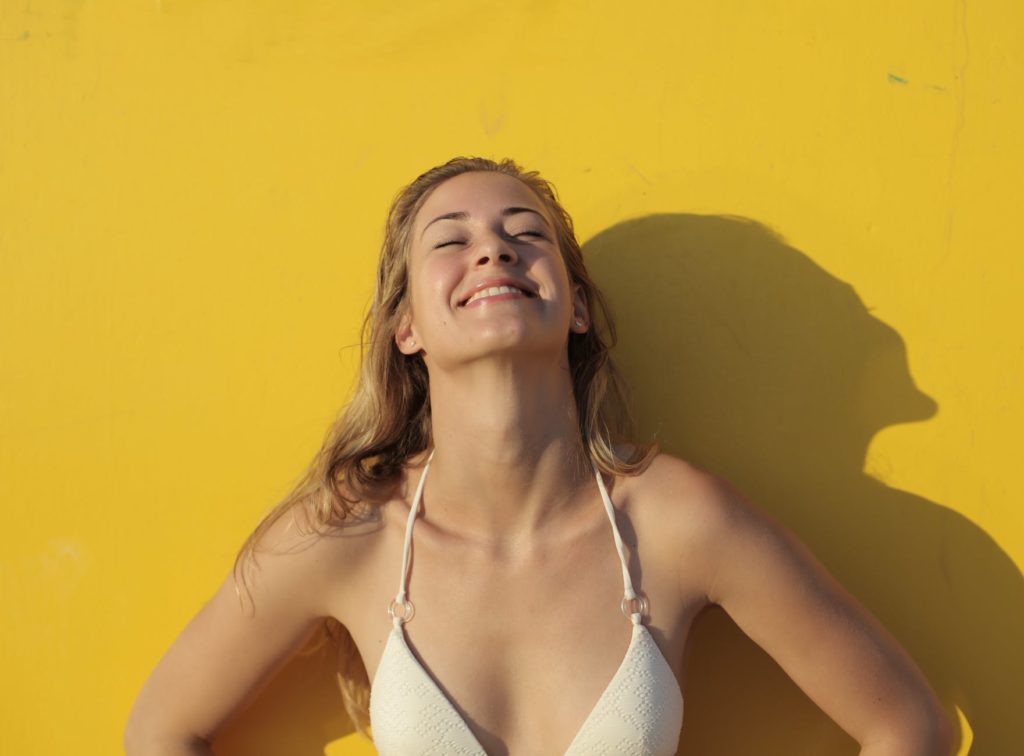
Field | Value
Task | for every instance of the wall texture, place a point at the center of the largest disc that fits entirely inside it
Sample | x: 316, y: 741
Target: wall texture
x: 799, y: 211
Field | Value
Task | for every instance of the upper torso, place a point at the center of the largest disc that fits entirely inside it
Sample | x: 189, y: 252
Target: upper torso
x: 524, y: 642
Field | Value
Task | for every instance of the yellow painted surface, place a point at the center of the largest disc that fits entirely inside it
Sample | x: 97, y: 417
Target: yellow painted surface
x: 803, y: 213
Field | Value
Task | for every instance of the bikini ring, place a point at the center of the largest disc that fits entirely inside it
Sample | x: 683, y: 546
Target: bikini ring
x: 643, y: 608
x: 408, y: 610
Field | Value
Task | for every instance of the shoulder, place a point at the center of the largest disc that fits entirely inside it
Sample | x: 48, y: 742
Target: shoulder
x: 697, y: 516
x: 739, y: 544
x: 302, y: 550
x: 681, y: 492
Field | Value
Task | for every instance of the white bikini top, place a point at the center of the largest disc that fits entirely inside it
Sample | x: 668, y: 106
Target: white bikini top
x: 640, y: 713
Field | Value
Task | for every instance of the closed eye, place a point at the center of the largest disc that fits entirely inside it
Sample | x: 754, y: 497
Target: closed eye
x: 460, y: 241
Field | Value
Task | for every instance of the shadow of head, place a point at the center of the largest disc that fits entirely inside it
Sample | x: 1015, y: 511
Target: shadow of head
x: 737, y: 339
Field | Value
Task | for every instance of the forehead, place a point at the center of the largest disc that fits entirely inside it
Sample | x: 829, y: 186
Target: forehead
x: 477, y: 193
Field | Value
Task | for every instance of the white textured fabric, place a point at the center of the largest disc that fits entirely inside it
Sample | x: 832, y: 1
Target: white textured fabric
x: 640, y: 712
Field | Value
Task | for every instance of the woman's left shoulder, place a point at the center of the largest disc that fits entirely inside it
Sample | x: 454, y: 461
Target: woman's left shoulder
x: 681, y: 496
x: 665, y: 478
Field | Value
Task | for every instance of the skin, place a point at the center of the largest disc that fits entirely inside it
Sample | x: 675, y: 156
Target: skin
x: 516, y: 582
x: 504, y: 358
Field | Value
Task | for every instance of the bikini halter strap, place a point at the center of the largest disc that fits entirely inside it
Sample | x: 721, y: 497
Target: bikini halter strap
x: 401, y: 609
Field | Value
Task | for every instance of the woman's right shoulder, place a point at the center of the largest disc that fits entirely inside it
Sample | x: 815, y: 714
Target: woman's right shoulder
x: 311, y: 545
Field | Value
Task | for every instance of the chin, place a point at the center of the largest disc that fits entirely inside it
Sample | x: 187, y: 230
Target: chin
x: 513, y: 340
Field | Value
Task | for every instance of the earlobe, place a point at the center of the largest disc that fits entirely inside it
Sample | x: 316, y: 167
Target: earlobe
x: 407, y: 345
x: 405, y: 339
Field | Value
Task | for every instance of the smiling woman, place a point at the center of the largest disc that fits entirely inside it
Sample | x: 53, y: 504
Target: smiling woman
x: 487, y: 364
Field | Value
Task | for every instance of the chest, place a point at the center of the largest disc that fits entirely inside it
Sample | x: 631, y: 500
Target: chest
x: 524, y: 648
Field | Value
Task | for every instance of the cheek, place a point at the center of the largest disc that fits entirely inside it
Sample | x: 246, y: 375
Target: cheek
x: 435, y: 284
x: 557, y: 272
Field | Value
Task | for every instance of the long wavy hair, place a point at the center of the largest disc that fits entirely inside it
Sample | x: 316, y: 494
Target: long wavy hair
x: 387, y: 420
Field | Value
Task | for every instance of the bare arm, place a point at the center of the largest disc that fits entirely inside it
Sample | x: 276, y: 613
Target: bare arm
x: 228, y: 652
x: 838, y: 653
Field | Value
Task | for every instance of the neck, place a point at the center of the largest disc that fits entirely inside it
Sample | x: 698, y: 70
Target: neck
x: 508, y: 455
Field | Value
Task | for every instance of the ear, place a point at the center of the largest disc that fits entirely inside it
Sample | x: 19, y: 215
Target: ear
x: 580, y: 322
x: 406, y: 338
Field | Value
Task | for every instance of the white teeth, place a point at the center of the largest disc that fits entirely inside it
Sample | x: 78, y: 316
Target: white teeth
x: 492, y: 291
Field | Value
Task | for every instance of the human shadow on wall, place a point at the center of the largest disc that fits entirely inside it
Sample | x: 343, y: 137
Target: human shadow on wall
x: 748, y: 359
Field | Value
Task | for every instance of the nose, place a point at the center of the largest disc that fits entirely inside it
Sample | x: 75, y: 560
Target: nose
x: 494, y: 247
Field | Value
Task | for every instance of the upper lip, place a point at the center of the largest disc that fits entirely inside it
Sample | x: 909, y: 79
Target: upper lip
x: 500, y: 281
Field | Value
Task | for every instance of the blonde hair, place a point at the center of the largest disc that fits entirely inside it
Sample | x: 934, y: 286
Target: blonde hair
x: 387, y: 420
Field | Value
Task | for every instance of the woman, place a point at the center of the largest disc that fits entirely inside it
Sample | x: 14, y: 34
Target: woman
x: 486, y: 367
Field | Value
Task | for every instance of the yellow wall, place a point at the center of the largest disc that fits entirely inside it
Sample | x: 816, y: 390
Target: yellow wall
x: 802, y: 213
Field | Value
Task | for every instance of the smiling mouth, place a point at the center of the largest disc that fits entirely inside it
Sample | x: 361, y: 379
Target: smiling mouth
x: 495, y: 290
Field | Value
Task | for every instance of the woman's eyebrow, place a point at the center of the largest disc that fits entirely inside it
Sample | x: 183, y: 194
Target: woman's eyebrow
x: 462, y: 215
